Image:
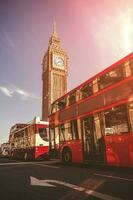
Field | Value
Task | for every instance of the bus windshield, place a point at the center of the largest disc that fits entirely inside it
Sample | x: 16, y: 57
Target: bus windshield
x: 44, y: 133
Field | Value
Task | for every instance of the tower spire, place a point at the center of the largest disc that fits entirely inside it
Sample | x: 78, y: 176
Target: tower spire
x: 54, y: 30
x: 54, y: 72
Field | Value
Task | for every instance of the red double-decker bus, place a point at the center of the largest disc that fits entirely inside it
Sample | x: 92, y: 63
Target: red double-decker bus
x: 29, y: 141
x: 94, y: 122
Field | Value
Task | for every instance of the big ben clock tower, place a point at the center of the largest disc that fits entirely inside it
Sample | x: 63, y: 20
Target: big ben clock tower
x: 54, y: 73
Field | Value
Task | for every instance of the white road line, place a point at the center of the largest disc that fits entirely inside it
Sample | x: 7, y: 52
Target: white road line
x: 49, y: 183
x: 49, y: 162
x: 114, y: 177
x: 19, y: 163
x: 50, y: 166
x: 28, y: 163
x: 101, y: 195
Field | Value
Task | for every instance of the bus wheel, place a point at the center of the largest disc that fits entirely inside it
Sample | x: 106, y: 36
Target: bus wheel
x: 25, y: 156
x: 67, y: 156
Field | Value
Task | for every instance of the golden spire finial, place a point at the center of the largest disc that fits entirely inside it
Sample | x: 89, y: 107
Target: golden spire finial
x: 54, y: 26
x: 54, y: 29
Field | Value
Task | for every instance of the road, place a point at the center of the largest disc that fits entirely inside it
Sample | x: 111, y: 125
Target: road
x: 51, y: 180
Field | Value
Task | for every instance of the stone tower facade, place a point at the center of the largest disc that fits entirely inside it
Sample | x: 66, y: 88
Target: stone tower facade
x: 54, y: 73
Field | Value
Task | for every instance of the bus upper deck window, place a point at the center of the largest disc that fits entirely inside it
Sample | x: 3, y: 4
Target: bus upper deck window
x: 72, y: 98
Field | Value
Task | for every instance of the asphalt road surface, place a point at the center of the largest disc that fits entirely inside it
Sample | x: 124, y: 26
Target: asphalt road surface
x: 51, y: 180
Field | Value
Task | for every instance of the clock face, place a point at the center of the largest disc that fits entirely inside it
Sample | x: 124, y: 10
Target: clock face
x: 58, y: 61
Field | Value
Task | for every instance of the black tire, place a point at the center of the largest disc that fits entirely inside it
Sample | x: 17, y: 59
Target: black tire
x: 67, y: 156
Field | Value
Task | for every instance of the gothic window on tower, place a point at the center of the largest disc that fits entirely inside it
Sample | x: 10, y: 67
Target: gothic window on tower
x: 58, y: 86
x: 45, y: 63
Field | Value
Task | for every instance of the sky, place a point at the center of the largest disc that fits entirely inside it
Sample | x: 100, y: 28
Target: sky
x: 94, y: 33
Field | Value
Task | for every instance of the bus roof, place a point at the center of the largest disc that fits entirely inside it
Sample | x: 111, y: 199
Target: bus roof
x: 119, y: 62
x: 20, y: 126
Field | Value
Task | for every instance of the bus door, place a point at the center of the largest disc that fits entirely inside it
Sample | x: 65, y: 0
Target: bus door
x: 54, y: 142
x: 93, y: 145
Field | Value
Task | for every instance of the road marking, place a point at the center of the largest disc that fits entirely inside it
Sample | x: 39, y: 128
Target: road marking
x: 19, y: 163
x: 29, y: 163
x: 115, y: 177
x: 101, y: 195
x: 47, y: 183
x: 45, y: 165
x: 53, y: 161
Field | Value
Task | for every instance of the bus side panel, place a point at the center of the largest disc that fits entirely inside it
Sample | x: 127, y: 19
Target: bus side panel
x: 119, y: 150
x: 32, y: 153
x: 41, y: 146
x: 76, y: 149
x: 20, y: 153
x: 42, y: 152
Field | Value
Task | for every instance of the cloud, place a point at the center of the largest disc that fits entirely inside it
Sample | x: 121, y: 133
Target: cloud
x: 10, y: 41
x: 24, y: 95
x: 6, y: 38
x: 6, y: 91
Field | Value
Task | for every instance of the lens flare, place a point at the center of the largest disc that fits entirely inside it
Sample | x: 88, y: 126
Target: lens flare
x: 127, y: 31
